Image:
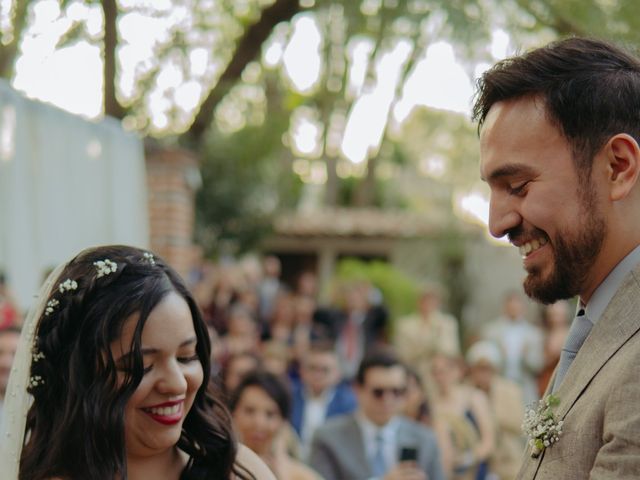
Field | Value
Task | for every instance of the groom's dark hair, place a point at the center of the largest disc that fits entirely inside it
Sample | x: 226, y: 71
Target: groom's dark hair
x: 589, y: 88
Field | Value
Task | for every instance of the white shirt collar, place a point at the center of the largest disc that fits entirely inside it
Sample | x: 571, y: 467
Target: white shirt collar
x: 389, y: 432
x: 370, y: 429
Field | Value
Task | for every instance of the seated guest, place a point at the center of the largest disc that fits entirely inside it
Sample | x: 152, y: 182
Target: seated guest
x: 357, y: 326
x: 276, y: 357
x: 319, y: 393
x: 427, y: 331
x: 242, y: 332
x: 376, y: 441
x: 466, y: 413
x: 260, y: 406
x: 416, y: 407
x: 235, y: 368
x: 505, y: 399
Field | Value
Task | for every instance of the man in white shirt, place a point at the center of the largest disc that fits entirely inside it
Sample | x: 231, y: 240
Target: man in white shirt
x: 319, y: 393
x: 521, y: 346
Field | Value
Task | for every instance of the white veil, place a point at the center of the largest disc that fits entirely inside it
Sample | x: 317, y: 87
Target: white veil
x: 17, y: 400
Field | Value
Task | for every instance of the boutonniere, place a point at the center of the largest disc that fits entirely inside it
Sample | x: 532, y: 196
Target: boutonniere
x: 541, y: 425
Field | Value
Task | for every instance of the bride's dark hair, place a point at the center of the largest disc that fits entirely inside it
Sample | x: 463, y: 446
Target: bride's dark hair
x: 75, y: 427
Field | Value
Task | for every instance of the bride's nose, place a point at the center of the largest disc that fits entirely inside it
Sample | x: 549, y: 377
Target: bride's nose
x: 172, y: 380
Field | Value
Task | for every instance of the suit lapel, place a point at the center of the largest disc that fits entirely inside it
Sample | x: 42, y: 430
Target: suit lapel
x: 618, y: 323
x: 360, y: 456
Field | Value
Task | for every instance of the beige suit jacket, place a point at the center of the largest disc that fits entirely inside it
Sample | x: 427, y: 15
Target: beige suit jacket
x: 599, y: 401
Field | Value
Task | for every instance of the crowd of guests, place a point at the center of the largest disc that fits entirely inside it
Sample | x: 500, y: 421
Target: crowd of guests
x: 335, y: 392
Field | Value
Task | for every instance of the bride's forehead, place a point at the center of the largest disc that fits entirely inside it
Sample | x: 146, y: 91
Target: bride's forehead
x: 169, y: 323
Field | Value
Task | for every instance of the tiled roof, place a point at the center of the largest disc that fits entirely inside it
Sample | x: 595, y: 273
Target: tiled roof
x: 349, y: 222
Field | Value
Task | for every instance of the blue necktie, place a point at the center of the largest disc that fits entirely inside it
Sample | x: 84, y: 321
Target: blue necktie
x: 378, y: 467
x: 578, y: 333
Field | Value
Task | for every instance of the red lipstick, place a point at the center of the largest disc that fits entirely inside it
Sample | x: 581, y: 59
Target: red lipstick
x: 167, y: 413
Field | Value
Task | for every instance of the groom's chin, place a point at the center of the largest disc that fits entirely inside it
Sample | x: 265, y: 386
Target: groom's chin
x: 545, y: 291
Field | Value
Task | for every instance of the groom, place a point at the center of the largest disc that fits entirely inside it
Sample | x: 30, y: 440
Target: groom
x: 559, y: 130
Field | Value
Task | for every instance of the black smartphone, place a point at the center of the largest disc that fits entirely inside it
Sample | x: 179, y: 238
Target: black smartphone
x: 408, y: 454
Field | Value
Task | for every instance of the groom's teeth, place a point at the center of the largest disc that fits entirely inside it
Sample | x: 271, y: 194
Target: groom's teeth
x: 531, y: 246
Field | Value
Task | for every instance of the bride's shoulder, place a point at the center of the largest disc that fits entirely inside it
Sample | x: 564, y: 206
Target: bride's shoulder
x: 252, y: 463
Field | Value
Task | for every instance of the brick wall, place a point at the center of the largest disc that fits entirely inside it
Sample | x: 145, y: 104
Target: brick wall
x: 172, y: 180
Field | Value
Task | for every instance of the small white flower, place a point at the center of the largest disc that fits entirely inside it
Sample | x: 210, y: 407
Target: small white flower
x: 51, y: 305
x: 36, y: 380
x: 68, y: 284
x: 105, y: 267
x: 149, y: 258
x: 541, y: 425
x: 37, y: 356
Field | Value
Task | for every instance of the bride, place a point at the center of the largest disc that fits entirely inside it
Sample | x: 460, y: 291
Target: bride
x: 109, y: 380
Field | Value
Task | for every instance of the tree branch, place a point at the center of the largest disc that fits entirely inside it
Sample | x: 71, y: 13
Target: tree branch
x: 247, y: 50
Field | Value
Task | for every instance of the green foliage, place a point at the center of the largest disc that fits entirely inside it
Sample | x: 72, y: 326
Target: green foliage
x: 447, y: 136
x: 385, y: 193
x: 615, y: 20
x: 451, y: 248
x: 399, y: 291
x: 246, y: 178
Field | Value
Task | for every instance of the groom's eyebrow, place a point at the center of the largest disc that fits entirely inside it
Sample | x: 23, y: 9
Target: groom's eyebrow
x: 508, y: 170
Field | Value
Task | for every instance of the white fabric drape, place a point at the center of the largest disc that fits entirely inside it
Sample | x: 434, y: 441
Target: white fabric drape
x: 65, y: 184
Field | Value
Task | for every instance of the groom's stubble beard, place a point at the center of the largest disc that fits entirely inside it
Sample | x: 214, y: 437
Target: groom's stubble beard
x: 574, y: 253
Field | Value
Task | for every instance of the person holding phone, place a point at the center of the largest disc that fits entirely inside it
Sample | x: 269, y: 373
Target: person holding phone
x: 376, y: 442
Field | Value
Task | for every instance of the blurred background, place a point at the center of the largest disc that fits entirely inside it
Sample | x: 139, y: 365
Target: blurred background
x: 311, y: 169
x: 332, y: 134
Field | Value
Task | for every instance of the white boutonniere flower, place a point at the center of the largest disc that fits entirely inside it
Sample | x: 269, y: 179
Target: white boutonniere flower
x: 541, y: 426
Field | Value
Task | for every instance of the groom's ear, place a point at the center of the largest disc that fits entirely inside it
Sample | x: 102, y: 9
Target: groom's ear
x: 622, y: 155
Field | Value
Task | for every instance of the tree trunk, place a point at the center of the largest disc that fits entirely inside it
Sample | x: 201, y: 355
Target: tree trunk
x: 331, y: 187
x: 112, y: 106
x: 8, y: 52
x: 365, y: 193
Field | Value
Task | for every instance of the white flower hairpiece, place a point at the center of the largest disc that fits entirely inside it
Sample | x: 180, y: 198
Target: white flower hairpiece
x: 105, y: 267
x: 149, y: 258
x: 68, y: 284
x: 51, y: 304
x: 541, y: 425
x: 36, y: 380
x: 36, y: 355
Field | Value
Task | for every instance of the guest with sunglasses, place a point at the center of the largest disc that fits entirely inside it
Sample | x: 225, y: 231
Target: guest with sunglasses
x: 376, y: 441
